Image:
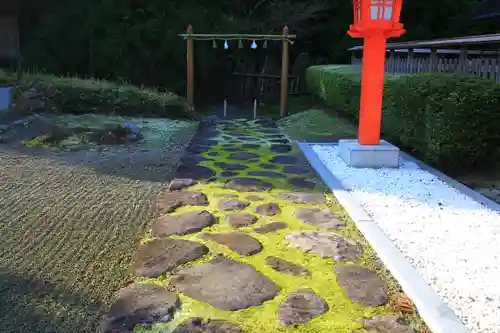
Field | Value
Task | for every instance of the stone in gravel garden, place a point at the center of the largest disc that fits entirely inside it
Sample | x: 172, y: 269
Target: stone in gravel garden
x: 243, y: 156
x: 269, y: 174
x: 140, y: 303
x: 253, y: 197
x: 271, y: 227
x: 225, y: 284
x: 284, y: 159
x: 326, y: 245
x: 180, y: 183
x: 269, y: 209
x: 232, y: 204
x: 362, y: 285
x: 248, y: 185
x: 198, y: 325
x: 386, y: 324
x: 230, y: 167
x: 284, y: 266
x: 238, y: 220
x: 303, y: 198
x: 240, y: 243
x: 300, y: 307
x: 160, y: 256
x: 319, y: 217
x: 168, y: 201
x: 182, y: 224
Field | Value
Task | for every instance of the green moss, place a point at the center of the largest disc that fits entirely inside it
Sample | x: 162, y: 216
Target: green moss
x: 38, y: 141
x: 343, y: 316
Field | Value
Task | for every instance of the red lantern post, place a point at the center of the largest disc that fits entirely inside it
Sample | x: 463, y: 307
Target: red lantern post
x: 375, y: 21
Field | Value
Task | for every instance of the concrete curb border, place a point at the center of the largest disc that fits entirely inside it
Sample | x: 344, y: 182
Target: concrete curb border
x: 438, y: 316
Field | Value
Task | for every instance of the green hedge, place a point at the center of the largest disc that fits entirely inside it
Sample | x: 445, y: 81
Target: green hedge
x: 75, y: 95
x: 448, y: 120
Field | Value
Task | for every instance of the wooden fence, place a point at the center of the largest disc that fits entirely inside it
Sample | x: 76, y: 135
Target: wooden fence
x: 488, y: 68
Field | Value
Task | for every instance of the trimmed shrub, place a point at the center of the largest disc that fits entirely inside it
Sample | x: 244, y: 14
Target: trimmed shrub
x: 75, y: 95
x: 448, y: 120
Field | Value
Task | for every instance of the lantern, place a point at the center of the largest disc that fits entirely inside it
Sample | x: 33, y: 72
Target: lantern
x: 375, y: 21
x: 376, y: 16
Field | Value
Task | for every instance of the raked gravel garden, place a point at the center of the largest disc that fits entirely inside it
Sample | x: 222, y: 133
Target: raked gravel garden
x: 451, y: 239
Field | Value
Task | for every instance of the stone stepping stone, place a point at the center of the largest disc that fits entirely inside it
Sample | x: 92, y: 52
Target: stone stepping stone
x: 248, y: 185
x: 300, y: 307
x: 228, y: 174
x: 281, y: 148
x: 270, y: 131
x: 319, y: 217
x: 271, y: 227
x: 291, y: 169
x: 160, y: 256
x: 362, y: 285
x: 386, y: 324
x: 280, y: 141
x: 268, y: 209
x: 140, y: 303
x: 268, y: 166
x: 243, y: 156
x: 230, y: 167
x: 182, y: 224
x: 196, y: 172
x: 225, y: 284
x: 168, y: 201
x: 240, y: 243
x: 213, y: 153
x: 254, y: 198
x: 250, y: 146
x: 198, y: 325
x: 238, y: 220
x: 284, y: 159
x: 180, y: 183
x: 326, y: 245
x: 301, y: 183
x: 233, y: 149
x: 269, y: 174
x: 284, y: 266
x: 232, y: 204
x: 303, y: 198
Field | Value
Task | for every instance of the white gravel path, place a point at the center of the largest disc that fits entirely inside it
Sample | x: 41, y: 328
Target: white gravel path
x: 452, y: 240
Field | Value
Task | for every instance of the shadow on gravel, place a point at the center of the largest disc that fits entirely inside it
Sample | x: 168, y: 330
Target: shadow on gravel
x: 36, y: 306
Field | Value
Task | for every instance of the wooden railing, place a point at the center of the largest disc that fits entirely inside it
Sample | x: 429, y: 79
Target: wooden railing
x: 488, y: 68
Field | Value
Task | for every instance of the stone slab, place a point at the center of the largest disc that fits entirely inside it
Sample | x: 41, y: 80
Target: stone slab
x: 383, y: 155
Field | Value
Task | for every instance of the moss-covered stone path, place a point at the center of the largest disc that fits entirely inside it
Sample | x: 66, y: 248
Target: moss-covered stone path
x: 247, y: 242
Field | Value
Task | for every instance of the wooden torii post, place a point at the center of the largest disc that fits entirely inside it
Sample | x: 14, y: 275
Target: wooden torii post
x: 285, y: 37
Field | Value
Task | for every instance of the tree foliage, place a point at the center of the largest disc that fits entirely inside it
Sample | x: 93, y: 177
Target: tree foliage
x: 137, y: 40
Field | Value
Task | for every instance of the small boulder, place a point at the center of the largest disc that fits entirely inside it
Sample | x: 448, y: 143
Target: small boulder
x: 168, y: 201
x: 182, y: 224
x: 180, y: 183
x: 233, y: 204
x: 300, y: 307
x: 362, y: 285
x: 240, y: 243
x: 320, y: 217
x: 269, y: 209
x: 284, y: 266
x: 271, y: 227
x: 238, y: 220
x: 160, y: 256
x: 386, y: 324
x: 140, y: 303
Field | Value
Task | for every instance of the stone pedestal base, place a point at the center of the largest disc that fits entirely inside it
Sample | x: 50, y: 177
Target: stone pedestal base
x: 383, y: 155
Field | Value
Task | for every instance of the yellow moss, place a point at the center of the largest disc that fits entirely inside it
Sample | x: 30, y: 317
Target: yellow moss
x: 343, y: 315
x: 38, y: 141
